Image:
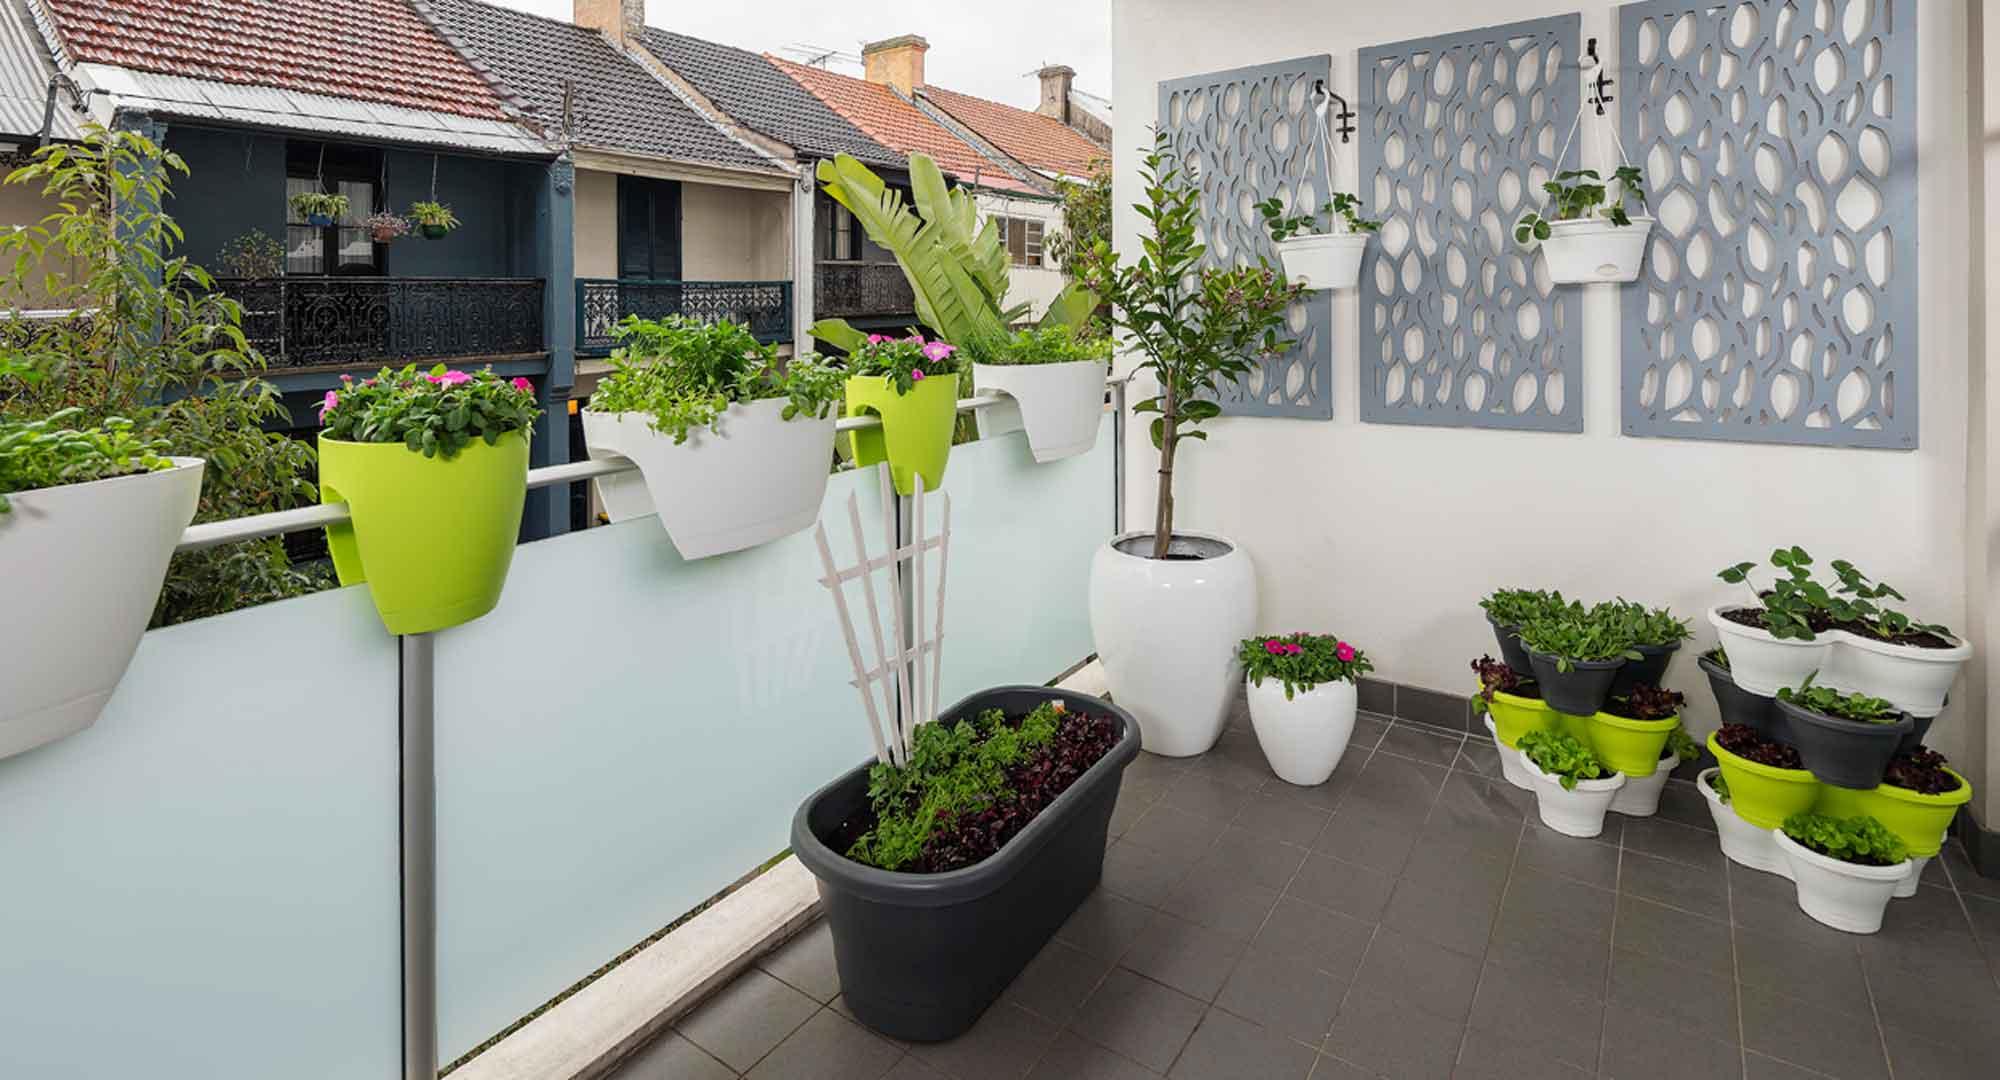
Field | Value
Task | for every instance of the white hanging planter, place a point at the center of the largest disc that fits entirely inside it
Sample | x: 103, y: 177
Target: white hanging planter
x: 1324, y: 260
x: 1742, y: 843
x: 1303, y: 738
x: 1588, y: 251
x: 1060, y: 405
x: 1512, y: 768
x: 1912, y: 679
x: 1763, y: 664
x: 1640, y: 797
x: 754, y: 478
x: 1577, y: 811
x: 86, y: 562
x: 1844, y: 895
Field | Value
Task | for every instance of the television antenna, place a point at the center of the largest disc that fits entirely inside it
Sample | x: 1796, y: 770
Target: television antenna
x: 820, y: 56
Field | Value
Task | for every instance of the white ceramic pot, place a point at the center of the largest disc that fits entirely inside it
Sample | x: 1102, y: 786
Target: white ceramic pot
x: 83, y: 565
x: 1305, y: 737
x: 1061, y: 406
x: 1640, y: 797
x: 1843, y: 895
x: 1324, y: 260
x: 1166, y: 631
x: 1742, y: 843
x: 1762, y: 664
x: 1907, y: 887
x: 1912, y: 679
x: 752, y: 479
x: 1577, y: 811
x: 1511, y: 767
x: 1591, y: 250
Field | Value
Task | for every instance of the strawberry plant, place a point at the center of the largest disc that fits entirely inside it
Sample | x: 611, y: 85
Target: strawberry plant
x: 1583, y: 193
x: 1863, y: 840
x: 1301, y: 661
x: 1342, y: 213
x: 1562, y: 756
x: 1795, y: 606
x: 1855, y: 605
x: 1827, y: 701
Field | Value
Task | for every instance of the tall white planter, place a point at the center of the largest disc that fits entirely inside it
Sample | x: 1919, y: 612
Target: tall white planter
x: 1324, y: 260
x: 1912, y: 679
x: 1762, y: 664
x: 754, y: 478
x: 1843, y: 895
x: 1577, y: 811
x: 1166, y: 632
x: 1060, y: 405
x: 1591, y: 250
x: 83, y: 565
x: 1742, y: 843
x: 1303, y: 738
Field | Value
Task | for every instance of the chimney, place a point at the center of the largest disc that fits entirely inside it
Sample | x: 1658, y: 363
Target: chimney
x: 1056, y: 80
x: 897, y: 62
x: 618, y: 20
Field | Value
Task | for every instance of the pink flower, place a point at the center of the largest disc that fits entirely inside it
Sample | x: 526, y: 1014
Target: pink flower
x: 1274, y: 646
x: 1344, y: 651
x: 1294, y: 650
x: 917, y: 375
x: 523, y: 385
x: 453, y: 378
x: 936, y: 351
x: 876, y: 339
x: 326, y: 404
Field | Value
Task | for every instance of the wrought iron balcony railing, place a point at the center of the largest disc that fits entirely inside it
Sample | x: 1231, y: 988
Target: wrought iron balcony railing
x: 764, y: 306
x: 861, y: 290
x: 301, y: 321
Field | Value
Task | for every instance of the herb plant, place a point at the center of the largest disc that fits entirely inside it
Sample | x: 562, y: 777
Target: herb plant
x: 1058, y: 344
x: 1744, y: 742
x: 1342, y: 214
x: 1301, y: 661
x: 1827, y: 701
x: 902, y: 360
x: 1921, y: 770
x: 1795, y: 603
x: 684, y: 373
x: 1582, y: 193
x: 1562, y: 756
x: 44, y: 453
x: 1512, y: 607
x: 1572, y: 636
x: 436, y: 413
x: 308, y: 204
x: 1861, y: 840
x: 1649, y: 703
x: 434, y: 214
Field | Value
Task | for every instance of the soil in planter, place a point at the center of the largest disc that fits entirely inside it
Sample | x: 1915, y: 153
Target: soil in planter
x: 1744, y: 742
x: 1917, y: 639
x: 1753, y: 618
x: 971, y: 827
x: 1921, y: 770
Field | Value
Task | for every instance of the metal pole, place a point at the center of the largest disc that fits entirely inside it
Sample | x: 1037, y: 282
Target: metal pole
x: 1118, y: 456
x: 419, y: 817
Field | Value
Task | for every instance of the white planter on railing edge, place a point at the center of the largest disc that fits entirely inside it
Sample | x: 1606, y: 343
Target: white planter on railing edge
x: 83, y: 565
x: 1577, y: 811
x: 1912, y: 679
x: 1323, y: 260
x: 754, y: 478
x: 1742, y: 843
x: 1305, y: 737
x: 1844, y: 895
x: 1061, y: 406
x: 1586, y: 251
x: 1762, y: 664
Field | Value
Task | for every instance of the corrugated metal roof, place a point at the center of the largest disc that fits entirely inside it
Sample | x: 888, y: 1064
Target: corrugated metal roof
x: 25, y: 69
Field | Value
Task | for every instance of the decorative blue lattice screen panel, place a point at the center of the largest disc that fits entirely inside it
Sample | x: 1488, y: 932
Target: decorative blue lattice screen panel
x: 1459, y: 325
x: 1779, y: 298
x: 1244, y: 136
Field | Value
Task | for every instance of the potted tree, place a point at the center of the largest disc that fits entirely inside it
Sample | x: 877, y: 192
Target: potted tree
x: 1918, y: 797
x: 1322, y: 248
x: 1168, y: 604
x: 1302, y: 694
x: 912, y: 385
x: 1742, y: 843
x: 1844, y: 739
x: 386, y: 228
x: 1575, y: 656
x: 433, y: 467
x: 434, y: 219
x: 1887, y: 653
x: 1573, y: 789
x: 1508, y: 609
x: 1656, y: 634
x: 1766, y: 780
x: 1591, y: 237
x: 1846, y: 869
x: 732, y: 445
x: 1053, y: 377
x: 89, y: 518
x: 1512, y: 705
x: 1780, y: 640
x: 319, y: 209
x: 1737, y: 705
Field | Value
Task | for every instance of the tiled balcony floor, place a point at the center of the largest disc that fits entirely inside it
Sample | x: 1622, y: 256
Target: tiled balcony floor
x: 1410, y: 918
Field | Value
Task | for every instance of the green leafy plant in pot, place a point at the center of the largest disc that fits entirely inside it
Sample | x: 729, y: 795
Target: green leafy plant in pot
x: 434, y: 219
x: 317, y: 208
x: 1657, y: 635
x: 1052, y: 381
x: 1844, y: 739
x: 1575, y: 655
x: 1584, y: 229
x: 1507, y: 609
x: 1573, y: 788
x: 1321, y: 249
x: 1845, y: 869
x: 1919, y: 795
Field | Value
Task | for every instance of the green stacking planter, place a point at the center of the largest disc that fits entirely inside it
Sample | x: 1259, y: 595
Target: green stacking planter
x: 431, y: 538
x: 1632, y: 747
x: 1577, y: 727
x: 915, y: 436
x: 1921, y: 820
x: 1761, y: 794
x: 1515, y: 716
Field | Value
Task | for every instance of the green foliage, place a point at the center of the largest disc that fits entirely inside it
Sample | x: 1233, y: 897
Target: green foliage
x: 1301, y: 661
x: 1825, y: 700
x: 1086, y: 210
x: 1683, y: 747
x: 1793, y: 599
x: 253, y: 255
x: 1654, y: 626
x: 1341, y: 214
x: 1718, y: 657
x: 434, y: 214
x: 42, y: 453
x: 308, y: 204
x: 952, y: 770
x: 1861, y: 840
x: 1580, y: 193
x: 1513, y: 607
x: 685, y: 373
x: 904, y: 361
x: 1572, y: 634
x: 1043, y: 345
x: 1854, y: 602
x: 1562, y: 756
x: 1720, y: 785
x: 436, y: 413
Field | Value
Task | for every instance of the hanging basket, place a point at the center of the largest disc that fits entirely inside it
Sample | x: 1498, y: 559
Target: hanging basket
x: 916, y: 430
x: 1591, y: 251
x: 1324, y: 260
x: 1061, y: 406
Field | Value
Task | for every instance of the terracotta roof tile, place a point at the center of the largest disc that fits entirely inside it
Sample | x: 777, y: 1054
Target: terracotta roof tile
x: 1040, y: 142
x: 369, y: 50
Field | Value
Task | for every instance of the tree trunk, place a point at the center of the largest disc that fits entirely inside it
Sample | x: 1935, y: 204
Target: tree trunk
x: 1163, y: 517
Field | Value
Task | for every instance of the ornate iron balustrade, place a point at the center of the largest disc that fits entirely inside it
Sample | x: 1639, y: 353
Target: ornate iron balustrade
x: 764, y: 306
x: 861, y: 290
x: 303, y: 321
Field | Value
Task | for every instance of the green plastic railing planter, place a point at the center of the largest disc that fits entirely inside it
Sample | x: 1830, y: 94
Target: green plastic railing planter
x: 1632, y: 747
x: 1515, y: 716
x: 1921, y: 820
x: 432, y: 538
x: 915, y: 436
x: 1764, y: 795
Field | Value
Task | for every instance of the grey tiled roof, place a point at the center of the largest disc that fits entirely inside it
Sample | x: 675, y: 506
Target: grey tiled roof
x: 757, y: 95
x: 619, y: 104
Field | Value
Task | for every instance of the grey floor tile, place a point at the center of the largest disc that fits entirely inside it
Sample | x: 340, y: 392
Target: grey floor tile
x: 1243, y: 768
x: 1252, y: 857
x: 1683, y: 937
x: 1458, y: 919
x: 828, y: 1047
x: 1368, y: 732
x: 1344, y: 887
x: 910, y: 1068
x: 1967, y: 877
x: 1673, y: 884
x: 1758, y: 1066
x: 1330, y: 793
x: 1105, y: 924
x: 672, y: 1057
x: 846, y: 1008
x: 1226, y: 1047
x: 1286, y: 993
x: 1332, y: 1068
x: 1944, y: 995
x: 1220, y: 899
x: 1546, y: 852
x: 1448, y: 711
x: 1142, y: 874
x: 1475, y: 804
x: 1439, y: 863
x: 1827, y: 973
x: 1073, y: 1057
x: 1528, y: 942
x: 1614, y: 829
x: 1003, y: 1045
x: 1184, y: 955
x: 1058, y: 980
x: 1428, y: 745
x: 1478, y: 755
x: 1677, y: 843
x: 1488, y: 1055
x: 1355, y: 836
x: 1915, y: 1056
x: 1419, y: 973
x: 806, y: 962
x: 1640, y: 1044
x: 1139, y: 1018
x: 1559, y: 1019
x: 1696, y: 1000
x: 1682, y: 804
x: 1175, y: 830
x: 1805, y: 1033
x: 1382, y: 1034
x: 1768, y: 904
x: 1393, y: 788
x: 1584, y: 909
x: 744, y: 1020
x: 1207, y: 796
x: 1329, y: 940
x: 1278, y: 818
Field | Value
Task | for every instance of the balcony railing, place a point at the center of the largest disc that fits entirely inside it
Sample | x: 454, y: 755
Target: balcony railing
x: 764, y: 306
x: 861, y: 290
x: 300, y: 321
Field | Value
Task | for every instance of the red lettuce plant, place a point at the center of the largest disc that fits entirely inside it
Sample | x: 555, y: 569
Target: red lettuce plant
x: 1649, y: 703
x: 1743, y: 741
x: 1495, y: 677
x: 1922, y: 771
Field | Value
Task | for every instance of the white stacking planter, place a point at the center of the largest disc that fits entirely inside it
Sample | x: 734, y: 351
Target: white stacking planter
x: 1640, y: 797
x: 754, y: 478
x: 1513, y: 767
x: 1914, y: 680
x: 1587, y: 251
x: 1303, y: 738
x: 1742, y: 843
x: 1324, y: 260
x: 1762, y: 664
x: 1577, y: 811
x: 1844, y: 895
x: 1060, y: 406
x: 83, y: 565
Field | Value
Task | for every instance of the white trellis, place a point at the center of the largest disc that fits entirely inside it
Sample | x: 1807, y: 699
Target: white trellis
x: 908, y: 694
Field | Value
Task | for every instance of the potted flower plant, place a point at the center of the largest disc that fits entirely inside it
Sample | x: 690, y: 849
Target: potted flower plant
x: 1780, y: 640
x: 1575, y: 655
x: 912, y: 385
x: 434, y: 219
x: 89, y: 518
x: 1321, y: 258
x: 1513, y: 706
x: 1846, y: 869
x: 1767, y: 780
x: 1591, y: 237
x: 1918, y: 797
x: 1506, y: 611
x: 1656, y: 634
x: 386, y: 228
x: 1640, y: 797
x: 732, y: 444
x: 433, y: 467
x: 1302, y: 693
x: 318, y: 208
x: 1743, y: 843
x: 1573, y: 789
x: 1053, y: 377
x: 1167, y: 606
x: 1886, y: 653
x: 1737, y: 705
x: 1844, y: 739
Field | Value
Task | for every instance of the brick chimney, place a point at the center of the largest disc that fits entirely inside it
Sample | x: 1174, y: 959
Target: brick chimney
x: 897, y: 62
x: 615, y: 19
x: 1056, y: 80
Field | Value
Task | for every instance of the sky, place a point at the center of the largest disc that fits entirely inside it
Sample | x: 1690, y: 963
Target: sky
x: 982, y: 48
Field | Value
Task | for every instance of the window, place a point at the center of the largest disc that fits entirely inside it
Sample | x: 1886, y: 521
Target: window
x: 839, y: 243
x: 1023, y: 237
x: 340, y: 170
x: 649, y: 228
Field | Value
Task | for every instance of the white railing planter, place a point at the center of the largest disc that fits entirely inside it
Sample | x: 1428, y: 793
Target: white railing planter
x: 1846, y: 896
x: 1589, y: 251
x: 1323, y: 260
x: 1059, y: 405
x: 90, y: 558
x: 750, y: 479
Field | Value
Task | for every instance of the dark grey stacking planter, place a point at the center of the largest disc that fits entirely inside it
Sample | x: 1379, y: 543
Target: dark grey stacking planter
x: 922, y: 955
x: 1582, y: 690
x: 1920, y: 729
x: 1740, y: 706
x: 1512, y: 652
x: 1844, y: 753
x: 1647, y: 672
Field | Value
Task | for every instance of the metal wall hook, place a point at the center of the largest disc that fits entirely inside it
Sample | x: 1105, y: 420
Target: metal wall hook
x: 1345, y: 115
x: 1602, y: 83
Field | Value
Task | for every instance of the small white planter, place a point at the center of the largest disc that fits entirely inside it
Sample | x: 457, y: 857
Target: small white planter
x: 1304, y: 738
x: 1572, y: 812
x: 1324, y: 260
x: 83, y: 565
x: 1907, y: 887
x: 1588, y: 251
x: 1762, y: 664
x: 1511, y: 767
x: 1843, y: 895
x: 1061, y: 406
x: 754, y: 478
x: 1640, y: 797
x: 1912, y: 679
x: 1742, y: 843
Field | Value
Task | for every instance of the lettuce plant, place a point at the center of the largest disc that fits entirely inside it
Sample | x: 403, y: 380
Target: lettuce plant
x: 684, y: 373
x: 903, y: 361
x: 1827, y: 701
x: 1562, y: 756
x: 1655, y: 627
x: 1683, y: 747
x: 1574, y: 636
x: 1301, y: 661
x: 44, y: 453
x: 436, y: 413
x: 1057, y: 344
x: 1650, y: 703
x: 1921, y: 770
x: 1513, y: 607
x: 1743, y: 741
x: 1496, y: 677
x: 1862, y: 840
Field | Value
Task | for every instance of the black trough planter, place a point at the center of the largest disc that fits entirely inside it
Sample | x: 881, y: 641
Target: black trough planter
x: 1647, y: 672
x: 1844, y: 753
x: 1740, y: 706
x: 1580, y: 691
x: 1512, y: 652
x: 921, y: 956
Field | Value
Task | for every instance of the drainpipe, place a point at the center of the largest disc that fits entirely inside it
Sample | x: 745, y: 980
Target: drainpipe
x: 804, y: 207
x: 57, y: 80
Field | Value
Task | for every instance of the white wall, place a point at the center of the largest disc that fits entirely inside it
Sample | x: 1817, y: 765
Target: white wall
x: 727, y: 234
x: 1389, y: 535
x: 1035, y: 286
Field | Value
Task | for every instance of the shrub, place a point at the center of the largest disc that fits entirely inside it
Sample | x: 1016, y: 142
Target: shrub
x: 42, y: 453
x: 1921, y: 770
x: 1301, y: 661
x: 1825, y: 700
x: 685, y: 373
x: 253, y: 255
x: 1513, y: 607
x: 1862, y: 840
x: 436, y: 413
x: 1061, y: 344
x: 1744, y: 742
x: 1562, y: 756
